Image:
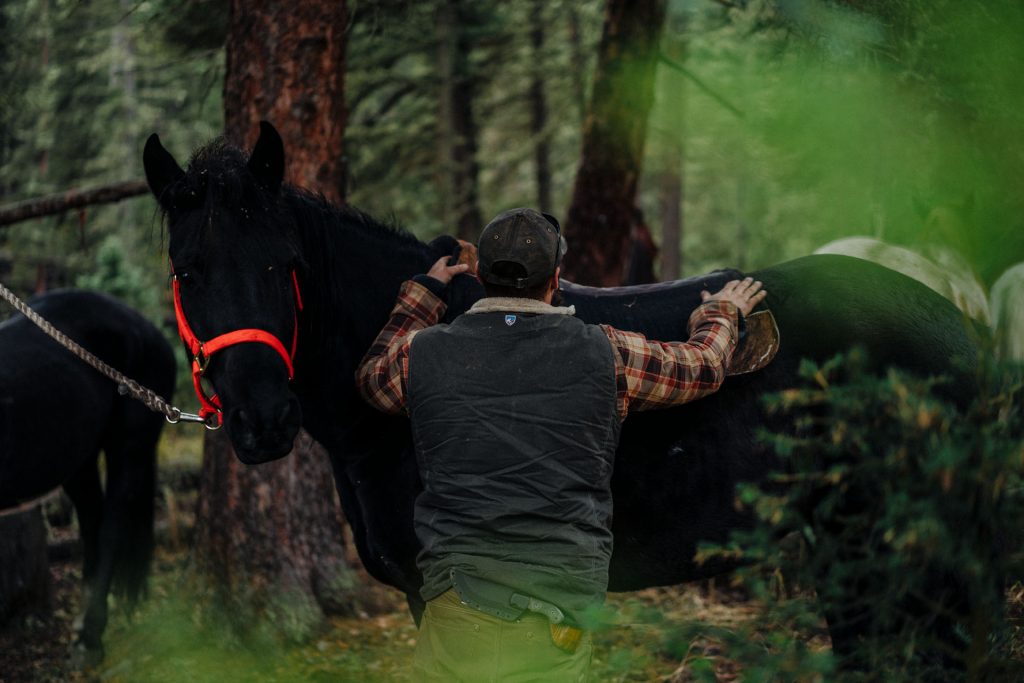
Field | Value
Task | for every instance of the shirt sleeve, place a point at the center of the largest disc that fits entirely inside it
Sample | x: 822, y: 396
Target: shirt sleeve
x: 383, y: 375
x: 653, y: 374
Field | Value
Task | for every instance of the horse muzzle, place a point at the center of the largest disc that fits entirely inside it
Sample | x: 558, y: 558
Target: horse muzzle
x: 262, y: 432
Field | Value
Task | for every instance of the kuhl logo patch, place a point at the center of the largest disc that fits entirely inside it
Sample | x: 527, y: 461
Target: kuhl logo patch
x: 510, y: 320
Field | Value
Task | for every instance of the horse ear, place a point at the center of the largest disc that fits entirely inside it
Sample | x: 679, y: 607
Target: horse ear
x: 267, y: 159
x: 162, y: 170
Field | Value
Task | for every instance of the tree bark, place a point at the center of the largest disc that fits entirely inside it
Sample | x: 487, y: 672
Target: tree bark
x: 539, y: 110
x: 602, y: 209
x: 670, y: 200
x: 460, y: 170
x: 286, y: 65
x: 269, y: 537
x: 577, y: 62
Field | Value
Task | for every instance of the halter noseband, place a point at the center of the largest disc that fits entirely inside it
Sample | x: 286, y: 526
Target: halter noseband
x: 202, y: 351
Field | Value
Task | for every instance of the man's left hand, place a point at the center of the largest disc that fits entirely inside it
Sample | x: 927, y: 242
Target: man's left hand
x: 444, y: 273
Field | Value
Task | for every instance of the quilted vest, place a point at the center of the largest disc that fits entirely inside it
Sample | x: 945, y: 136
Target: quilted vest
x: 515, y: 426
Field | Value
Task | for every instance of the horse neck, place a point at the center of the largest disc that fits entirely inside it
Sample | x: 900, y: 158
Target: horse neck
x: 354, y: 269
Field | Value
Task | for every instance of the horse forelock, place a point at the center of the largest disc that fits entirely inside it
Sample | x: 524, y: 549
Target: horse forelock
x: 219, y: 204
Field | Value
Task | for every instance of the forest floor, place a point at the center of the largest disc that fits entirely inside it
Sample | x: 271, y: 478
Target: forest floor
x: 164, y: 641
x: 168, y: 639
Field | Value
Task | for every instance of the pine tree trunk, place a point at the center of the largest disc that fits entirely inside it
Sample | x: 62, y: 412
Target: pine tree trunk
x: 286, y: 64
x: 539, y: 110
x: 671, y: 177
x: 269, y: 537
x: 670, y: 200
x: 602, y: 209
x: 577, y: 62
x: 460, y: 170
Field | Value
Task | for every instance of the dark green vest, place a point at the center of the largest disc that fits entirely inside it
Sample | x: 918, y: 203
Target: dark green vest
x: 515, y: 427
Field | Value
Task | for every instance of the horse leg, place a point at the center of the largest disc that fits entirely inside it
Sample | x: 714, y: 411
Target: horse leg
x: 86, y: 494
x: 130, y: 453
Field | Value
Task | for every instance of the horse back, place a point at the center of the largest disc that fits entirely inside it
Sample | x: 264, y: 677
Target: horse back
x: 56, y: 412
x: 827, y: 304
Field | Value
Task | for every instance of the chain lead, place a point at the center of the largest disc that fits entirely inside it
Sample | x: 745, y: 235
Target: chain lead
x: 125, y: 384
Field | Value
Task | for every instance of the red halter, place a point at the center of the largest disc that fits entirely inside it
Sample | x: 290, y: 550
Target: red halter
x: 202, y: 351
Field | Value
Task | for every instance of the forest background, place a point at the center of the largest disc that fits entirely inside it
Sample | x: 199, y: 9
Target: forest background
x: 777, y: 125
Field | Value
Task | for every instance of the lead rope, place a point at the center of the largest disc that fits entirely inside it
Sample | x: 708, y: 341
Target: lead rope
x: 125, y: 384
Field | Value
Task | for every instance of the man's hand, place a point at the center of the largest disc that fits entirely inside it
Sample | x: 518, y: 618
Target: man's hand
x: 745, y: 293
x: 444, y: 273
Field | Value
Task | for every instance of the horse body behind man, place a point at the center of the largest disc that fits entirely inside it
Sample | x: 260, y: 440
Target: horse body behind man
x: 237, y: 235
x: 940, y: 268
x: 58, y: 414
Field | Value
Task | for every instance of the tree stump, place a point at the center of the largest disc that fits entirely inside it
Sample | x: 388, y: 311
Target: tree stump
x: 24, y: 569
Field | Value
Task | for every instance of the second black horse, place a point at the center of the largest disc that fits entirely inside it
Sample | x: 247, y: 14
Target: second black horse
x: 58, y: 414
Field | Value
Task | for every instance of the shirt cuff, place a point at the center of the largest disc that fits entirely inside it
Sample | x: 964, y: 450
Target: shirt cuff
x: 436, y: 287
x: 721, y: 312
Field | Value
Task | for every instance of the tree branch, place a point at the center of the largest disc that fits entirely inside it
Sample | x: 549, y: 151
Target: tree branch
x: 69, y: 200
x: 672, y: 64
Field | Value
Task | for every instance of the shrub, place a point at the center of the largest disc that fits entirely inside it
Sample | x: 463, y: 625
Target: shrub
x: 902, y: 512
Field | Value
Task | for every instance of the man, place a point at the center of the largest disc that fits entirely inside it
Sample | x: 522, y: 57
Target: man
x: 515, y: 410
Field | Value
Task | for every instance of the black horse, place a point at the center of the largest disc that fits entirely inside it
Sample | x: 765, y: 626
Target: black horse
x: 57, y: 414
x: 237, y: 233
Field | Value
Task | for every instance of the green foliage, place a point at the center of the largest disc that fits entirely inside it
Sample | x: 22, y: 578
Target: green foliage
x: 849, y: 110
x: 115, y: 275
x: 82, y: 86
x: 895, y: 505
x: 88, y: 82
x: 393, y: 84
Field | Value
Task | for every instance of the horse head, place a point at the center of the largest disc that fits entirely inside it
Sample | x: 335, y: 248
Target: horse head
x: 236, y: 270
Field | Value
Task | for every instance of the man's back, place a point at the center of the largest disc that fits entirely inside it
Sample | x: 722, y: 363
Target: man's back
x: 515, y: 425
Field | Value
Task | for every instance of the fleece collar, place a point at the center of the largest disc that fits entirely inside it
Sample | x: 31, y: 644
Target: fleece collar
x: 496, y: 304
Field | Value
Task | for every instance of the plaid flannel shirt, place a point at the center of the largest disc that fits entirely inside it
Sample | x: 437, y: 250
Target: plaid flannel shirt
x: 649, y: 374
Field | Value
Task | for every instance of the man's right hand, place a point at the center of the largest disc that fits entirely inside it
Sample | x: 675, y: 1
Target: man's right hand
x: 444, y: 273
x: 745, y: 294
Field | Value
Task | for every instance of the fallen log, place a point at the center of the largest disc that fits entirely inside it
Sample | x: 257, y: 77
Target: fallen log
x: 70, y: 200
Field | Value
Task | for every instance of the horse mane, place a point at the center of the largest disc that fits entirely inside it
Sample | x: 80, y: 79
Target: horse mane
x: 344, y: 249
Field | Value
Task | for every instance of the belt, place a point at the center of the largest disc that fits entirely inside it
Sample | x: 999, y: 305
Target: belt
x: 508, y: 604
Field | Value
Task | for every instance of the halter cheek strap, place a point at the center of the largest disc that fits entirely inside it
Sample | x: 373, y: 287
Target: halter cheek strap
x: 202, y: 351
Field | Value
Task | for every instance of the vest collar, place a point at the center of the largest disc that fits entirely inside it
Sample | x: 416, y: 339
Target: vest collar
x: 496, y: 304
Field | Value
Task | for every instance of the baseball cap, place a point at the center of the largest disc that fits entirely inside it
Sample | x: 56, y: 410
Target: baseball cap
x: 531, y: 239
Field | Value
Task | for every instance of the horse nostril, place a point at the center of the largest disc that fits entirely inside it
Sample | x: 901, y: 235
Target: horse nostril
x: 243, y: 417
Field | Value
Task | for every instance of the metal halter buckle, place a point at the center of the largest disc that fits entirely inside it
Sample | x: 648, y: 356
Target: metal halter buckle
x: 202, y: 360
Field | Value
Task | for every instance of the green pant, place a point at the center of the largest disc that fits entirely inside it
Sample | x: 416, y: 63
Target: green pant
x: 459, y: 643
